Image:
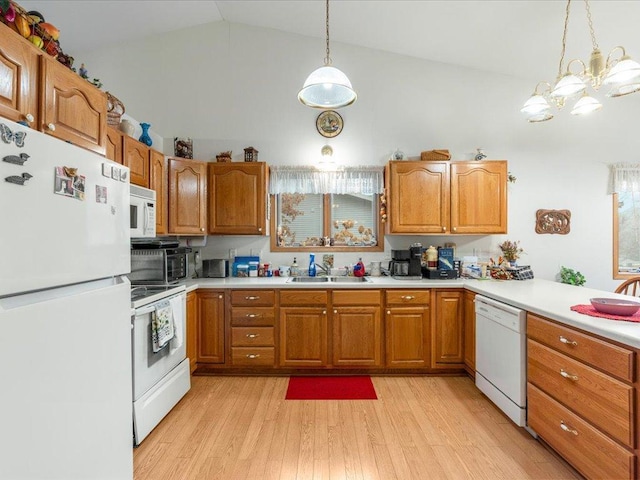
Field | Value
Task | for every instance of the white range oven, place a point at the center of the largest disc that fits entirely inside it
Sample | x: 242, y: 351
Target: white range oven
x: 162, y: 378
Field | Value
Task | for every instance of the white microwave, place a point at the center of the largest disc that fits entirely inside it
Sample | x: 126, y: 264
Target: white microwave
x: 142, y: 212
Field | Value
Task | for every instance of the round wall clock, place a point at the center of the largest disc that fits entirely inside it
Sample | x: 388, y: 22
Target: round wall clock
x: 329, y: 124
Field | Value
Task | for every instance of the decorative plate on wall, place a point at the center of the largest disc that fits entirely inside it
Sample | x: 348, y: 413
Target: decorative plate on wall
x: 329, y: 124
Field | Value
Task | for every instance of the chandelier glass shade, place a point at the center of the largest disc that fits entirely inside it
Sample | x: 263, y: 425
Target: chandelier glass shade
x: 327, y: 87
x: 619, y: 73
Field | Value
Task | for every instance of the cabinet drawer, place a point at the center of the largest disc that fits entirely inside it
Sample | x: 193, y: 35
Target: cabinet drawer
x: 250, y: 316
x: 602, y: 400
x: 247, y: 336
x: 356, y: 297
x: 591, y: 452
x: 304, y: 298
x: 253, y: 356
x: 253, y: 297
x: 616, y: 361
x: 408, y: 297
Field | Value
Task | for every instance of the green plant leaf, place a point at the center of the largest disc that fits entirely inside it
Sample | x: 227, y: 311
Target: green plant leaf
x: 4, y: 5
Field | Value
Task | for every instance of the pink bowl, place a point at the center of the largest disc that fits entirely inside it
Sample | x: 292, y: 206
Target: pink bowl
x: 615, y: 306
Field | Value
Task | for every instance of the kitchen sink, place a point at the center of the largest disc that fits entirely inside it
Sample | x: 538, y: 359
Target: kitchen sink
x: 350, y: 279
x: 328, y: 279
x: 308, y: 279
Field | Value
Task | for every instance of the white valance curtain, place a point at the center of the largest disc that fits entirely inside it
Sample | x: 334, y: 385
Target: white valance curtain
x: 365, y: 180
x: 624, y: 177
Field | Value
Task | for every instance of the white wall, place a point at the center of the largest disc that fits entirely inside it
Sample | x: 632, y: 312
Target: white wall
x: 229, y: 86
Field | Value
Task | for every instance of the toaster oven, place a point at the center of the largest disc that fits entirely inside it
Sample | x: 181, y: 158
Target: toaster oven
x: 160, y: 266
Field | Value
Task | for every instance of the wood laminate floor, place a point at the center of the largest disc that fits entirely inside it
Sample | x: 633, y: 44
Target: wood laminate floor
x: 419, y: 428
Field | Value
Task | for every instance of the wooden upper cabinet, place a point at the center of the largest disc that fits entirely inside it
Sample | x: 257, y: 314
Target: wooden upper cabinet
x: 187, y: 197
x: 71, y: 108
x: 418, y: 196
x: 114, y: 145
x: 18, y: 78
x: 479, y: 197
x: 447, y: 197
x: 237, y: 198
x: 136, y: 156
x: 159, y: 181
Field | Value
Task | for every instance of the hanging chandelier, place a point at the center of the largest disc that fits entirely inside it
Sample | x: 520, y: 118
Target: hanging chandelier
x: 327, y: 87
x: 619, y: 73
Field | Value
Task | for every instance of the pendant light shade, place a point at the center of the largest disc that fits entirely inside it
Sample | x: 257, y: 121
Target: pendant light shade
x: 327, y: 87
x: 585, y: 105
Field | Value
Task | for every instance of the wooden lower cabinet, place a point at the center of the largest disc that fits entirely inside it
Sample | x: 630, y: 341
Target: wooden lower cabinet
x: 447, y: 348
x: 581, y: 398
x: 357, y: 328
x: 304, y: 328
x: 253, y: 331
x: 407, y: 321
x: 192, y: 330
x: 211, y: 307
x: 469, y: 334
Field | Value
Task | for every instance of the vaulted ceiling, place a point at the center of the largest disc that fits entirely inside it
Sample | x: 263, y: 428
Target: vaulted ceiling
x: 521, y: 38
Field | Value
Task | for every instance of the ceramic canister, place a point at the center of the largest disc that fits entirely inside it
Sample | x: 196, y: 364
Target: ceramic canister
x: 127, y: 127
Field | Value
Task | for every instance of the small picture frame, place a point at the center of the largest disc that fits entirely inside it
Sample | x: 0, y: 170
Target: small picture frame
x: 183, y: 147
x: 329, y: 124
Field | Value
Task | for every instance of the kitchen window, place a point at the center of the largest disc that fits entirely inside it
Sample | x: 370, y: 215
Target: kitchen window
x: 314, y: 210
x: 625, y: 186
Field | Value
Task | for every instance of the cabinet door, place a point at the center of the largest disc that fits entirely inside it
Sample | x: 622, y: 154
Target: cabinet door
x: 192, y: 330
x: 407, y: 330
x: 470, y: 331
x: 418, y: 197
x: 303, y: 337
x: 187, y: 197
x: 211, y: 327
x: 18, y: 78
x: 71, y: 108
x: 357, y: 336
x: 237, y: 198
x: 479, y: 197
x: 136, y: 156
x: 447, y: 348
x: 159, y: 181
x: 114, y: 145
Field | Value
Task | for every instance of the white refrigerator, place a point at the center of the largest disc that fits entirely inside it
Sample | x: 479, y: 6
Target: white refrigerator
x: 65, y: 317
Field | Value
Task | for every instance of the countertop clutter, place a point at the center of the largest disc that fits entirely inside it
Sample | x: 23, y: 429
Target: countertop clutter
x: 543, y: 297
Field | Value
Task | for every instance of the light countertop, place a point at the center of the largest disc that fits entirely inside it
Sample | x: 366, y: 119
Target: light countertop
x: 542, y: 297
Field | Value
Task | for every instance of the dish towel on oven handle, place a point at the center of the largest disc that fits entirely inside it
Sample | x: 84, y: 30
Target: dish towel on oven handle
x: 161, y: 325
x: 178, y: 321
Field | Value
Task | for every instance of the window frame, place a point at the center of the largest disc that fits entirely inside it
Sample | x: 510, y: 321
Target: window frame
x: 326, y: 226
x: 617, y: 274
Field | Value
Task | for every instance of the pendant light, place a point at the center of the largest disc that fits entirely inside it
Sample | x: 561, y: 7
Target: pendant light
x: 327, y: 87
x: 621, y: 74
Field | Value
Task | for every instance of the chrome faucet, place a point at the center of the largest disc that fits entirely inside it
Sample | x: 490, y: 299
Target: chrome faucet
x: 325, y: 269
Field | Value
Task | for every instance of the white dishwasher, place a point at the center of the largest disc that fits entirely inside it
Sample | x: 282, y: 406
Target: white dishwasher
x: 501, y: 356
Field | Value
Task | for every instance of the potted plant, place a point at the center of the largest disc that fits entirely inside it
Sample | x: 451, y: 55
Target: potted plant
x: 511, y: 251
x: 571, y: 277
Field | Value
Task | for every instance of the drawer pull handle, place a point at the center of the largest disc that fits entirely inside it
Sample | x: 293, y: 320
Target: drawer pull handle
x: 566, y: 341
x: 568, y: 375
x: 253, y: 335
x: 253, y: 315
x: 252, y: 298
x: 567, y: 429
x: 407, y: 297
x: 257, y: 355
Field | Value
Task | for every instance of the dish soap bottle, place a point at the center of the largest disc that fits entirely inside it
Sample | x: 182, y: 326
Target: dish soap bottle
x: 358, y: 269
x: 312, y: 265
x: 294, y: 268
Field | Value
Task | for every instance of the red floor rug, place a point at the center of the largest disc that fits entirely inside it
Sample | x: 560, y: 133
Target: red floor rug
x: 331, y: 388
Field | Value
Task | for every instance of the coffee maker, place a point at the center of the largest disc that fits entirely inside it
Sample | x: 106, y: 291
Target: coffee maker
x: 407, y: 263
x: 415, y: 260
